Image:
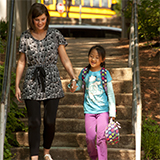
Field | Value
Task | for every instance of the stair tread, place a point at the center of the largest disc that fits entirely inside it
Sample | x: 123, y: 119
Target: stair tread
x: 113, y: 81
x: 81, y: 93
x: 81, y: 148
x: 69, y: 139
x: 72, y: 119
x: 75, y: 106
x: 73, y: 133
x: 75, y: 153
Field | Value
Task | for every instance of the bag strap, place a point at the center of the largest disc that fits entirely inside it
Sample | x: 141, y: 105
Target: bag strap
x: 84, y: 73
x: 104, y: 79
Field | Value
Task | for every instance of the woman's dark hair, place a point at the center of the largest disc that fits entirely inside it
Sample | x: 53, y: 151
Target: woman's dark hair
x: 101, y: 52
x: 36, y: 10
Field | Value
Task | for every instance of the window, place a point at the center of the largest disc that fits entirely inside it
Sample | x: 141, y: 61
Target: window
x: 48, y: 2
x: 77, y: 2
x: 59, y: 1
x: 86, y: 2
x: 105, y: 3
x: 96, y: 3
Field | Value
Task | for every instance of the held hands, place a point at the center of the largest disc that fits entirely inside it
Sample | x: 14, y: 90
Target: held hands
x: 18, y: 94
x: 73, y: 86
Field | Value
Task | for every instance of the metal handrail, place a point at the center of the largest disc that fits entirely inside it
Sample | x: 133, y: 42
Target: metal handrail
x: 133, y: 61
x: 7, y: 76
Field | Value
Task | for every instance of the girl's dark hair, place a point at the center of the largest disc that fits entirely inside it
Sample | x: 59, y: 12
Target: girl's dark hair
x: 36, y: 10
x: 101, y: 52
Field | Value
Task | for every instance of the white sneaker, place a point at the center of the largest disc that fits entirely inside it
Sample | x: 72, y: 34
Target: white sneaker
x: 48, y: 157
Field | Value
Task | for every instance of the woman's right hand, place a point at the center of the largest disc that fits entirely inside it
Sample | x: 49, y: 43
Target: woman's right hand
x: 18, y: 94
x: 19, y: 72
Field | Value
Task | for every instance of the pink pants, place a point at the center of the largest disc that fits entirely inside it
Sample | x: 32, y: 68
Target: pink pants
x: 95, y: 124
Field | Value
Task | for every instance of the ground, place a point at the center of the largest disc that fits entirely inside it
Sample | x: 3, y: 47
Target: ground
x: 149, y: 59
x: 150, y: 80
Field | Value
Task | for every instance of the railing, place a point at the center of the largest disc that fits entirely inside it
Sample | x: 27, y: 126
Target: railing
x: 134, y: 63
x: 7, y: 76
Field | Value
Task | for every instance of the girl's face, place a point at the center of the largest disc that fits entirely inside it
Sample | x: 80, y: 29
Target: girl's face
x: 95, y: 60
x: 40, y: 22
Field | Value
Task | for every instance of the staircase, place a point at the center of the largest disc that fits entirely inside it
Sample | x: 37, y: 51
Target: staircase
x: 69, y: 142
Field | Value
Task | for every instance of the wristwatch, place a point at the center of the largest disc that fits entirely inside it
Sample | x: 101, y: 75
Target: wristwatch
x: 72, y: 80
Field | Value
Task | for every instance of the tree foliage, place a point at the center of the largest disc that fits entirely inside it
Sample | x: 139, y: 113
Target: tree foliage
x: 118, y: 7
x: 148, y: 17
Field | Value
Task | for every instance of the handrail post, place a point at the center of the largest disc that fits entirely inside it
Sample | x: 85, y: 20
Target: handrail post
x: 133, y: 60
x: 1, y: 130
x: 131, y: 41
x: 138, y: 87
x: 131, y: 64
x: 6, y: 80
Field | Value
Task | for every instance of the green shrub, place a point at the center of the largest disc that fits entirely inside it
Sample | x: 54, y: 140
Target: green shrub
x: 3, y: 35
x: 1, y: 46
x: 3, y: 29
x: 151, y: 139
x: 13, y: 122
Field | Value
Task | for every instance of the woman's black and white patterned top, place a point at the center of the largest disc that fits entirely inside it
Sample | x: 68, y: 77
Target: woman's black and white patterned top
x: 42, y: 80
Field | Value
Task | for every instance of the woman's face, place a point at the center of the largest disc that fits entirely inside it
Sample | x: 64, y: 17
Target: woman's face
x: 40, y: 22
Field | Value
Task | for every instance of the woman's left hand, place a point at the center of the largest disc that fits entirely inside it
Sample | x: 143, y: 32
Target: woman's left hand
x: 73, y: 86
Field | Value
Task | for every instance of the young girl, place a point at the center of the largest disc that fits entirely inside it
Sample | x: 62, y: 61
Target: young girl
x: 98, y: 106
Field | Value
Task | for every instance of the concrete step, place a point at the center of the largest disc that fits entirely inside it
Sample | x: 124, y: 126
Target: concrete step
x: 81, y: 60
x: 117, y: 74
x: 74, y: 153
x: 118, y: 86
x: 124, y: 99
x: 78, y: 125
x: 77, y: 99
x: 75, y: 140
x: 110, y: 62
x: 76, y: 111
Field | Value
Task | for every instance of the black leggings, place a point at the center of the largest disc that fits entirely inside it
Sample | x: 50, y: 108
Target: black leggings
x: 34, y: 123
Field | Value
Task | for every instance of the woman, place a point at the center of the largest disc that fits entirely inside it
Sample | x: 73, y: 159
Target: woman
x: 39, y: 49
